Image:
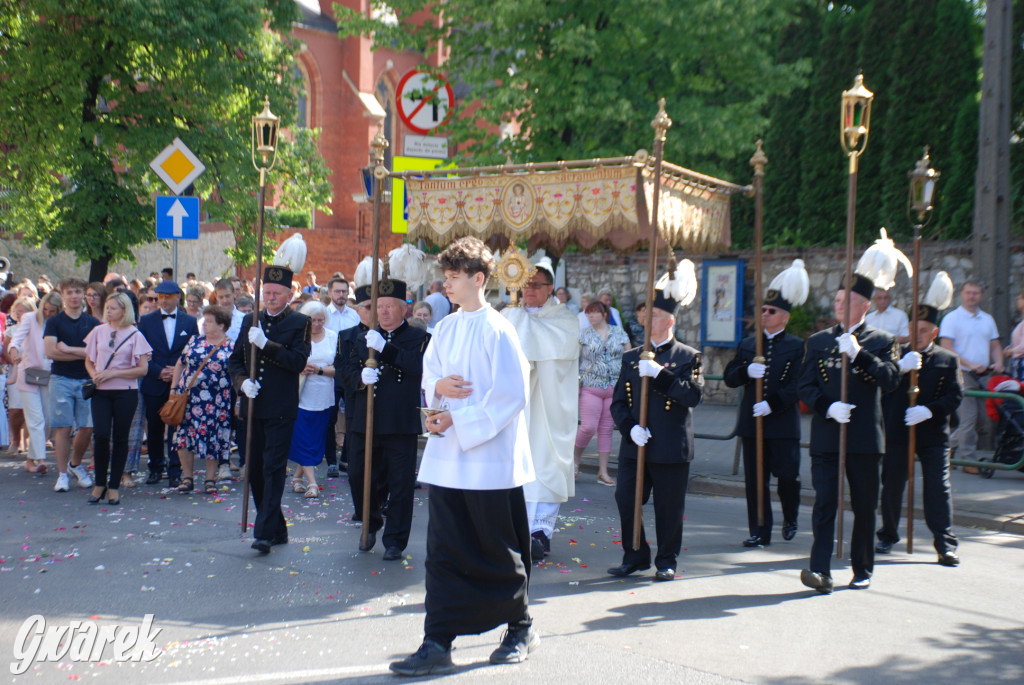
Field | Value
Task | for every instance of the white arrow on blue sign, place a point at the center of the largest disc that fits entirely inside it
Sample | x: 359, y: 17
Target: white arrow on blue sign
x: 177, y: 218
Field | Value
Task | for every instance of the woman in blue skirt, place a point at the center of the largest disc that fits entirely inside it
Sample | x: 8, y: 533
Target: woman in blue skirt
x: 316, y: 398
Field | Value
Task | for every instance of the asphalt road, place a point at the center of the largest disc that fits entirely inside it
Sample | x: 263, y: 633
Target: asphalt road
x: 318, y: 611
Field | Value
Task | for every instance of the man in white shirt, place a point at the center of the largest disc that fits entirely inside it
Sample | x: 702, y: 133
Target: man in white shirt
x: 339, y: 315
x: 440, y: 307
x: 889, y: 319
x: 973, y: 335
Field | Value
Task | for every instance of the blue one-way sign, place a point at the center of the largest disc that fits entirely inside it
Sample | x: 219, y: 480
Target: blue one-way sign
x: 177, y: 218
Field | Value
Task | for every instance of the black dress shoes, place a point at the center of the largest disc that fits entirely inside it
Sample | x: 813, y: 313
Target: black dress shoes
x: 789, y: 529
x: 860, y: 583
x: 392, y: 553
x: 949, y: 558
x: 280, y: 540
x: 818, y: 581
x: 883, y: 547
x: 627, y: 569
x: 262, y: 546
x: 665, y: 574
x: 371, y: 540
x: 756, y: 541
x: 173, y: 482
x: 153, y: 478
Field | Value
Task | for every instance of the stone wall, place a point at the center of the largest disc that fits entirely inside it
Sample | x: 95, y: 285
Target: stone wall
x: 626, y: 276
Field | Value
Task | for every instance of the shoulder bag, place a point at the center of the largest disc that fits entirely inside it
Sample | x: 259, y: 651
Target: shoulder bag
x: 89, y: 387
x: 173, y: 411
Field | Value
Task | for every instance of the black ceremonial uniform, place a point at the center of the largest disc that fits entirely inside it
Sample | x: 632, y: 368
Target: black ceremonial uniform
x: 669, y: 451
x: 278, y: 366
x: 873, y: 372
x: 940, y: 390
x: 396, y: 426
x: 783, y: 354
x: 345, y: 339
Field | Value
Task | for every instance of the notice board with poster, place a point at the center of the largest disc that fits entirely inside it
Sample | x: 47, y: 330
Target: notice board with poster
x: 721, y: 323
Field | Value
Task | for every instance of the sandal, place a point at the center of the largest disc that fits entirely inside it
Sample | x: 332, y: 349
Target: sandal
x: 211, y: 486
x: 605, y: 480
x: 298, y: 486
x: 187, y: 485
x: 313, y: 491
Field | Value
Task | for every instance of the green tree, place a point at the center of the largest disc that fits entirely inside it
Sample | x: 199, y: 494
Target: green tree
x: 582, y: 78
x: 93, y: 90
x: 1017, y: 112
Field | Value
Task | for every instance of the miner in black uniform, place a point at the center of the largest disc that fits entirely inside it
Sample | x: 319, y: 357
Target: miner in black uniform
x: 873, y: 371
x: 676, y: 385
x: 281, y: 343
x: 778, y: 408
x: 939, y: 394
x: 396, y: 422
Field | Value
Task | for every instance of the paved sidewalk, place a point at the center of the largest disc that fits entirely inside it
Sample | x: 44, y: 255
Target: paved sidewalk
x: 996, y: 503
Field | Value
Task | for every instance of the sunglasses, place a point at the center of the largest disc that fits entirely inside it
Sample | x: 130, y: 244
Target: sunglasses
x: 150, y: 299
x: 113, y: 336
x: 771, y: 311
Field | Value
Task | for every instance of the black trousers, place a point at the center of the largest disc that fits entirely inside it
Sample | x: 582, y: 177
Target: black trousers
x: 668, y: 482
x: 112, y: 414
x: 271, y: 440
x: 862, y: 479
x: 158, y: 437
x: 331, y: 443
x: 478, y: 562
x: 393, y: 478
x: 938, y: 514
x: 782, y: 460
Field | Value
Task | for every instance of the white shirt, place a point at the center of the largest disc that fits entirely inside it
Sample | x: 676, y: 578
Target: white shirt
x: 972, y: 334
x: 340, y: 319
x: 169, y: 323
x: 487, y: 447
x: 440, y: 307
x: 892, y: 321
x: 233, y: 330
x: 318, y: 391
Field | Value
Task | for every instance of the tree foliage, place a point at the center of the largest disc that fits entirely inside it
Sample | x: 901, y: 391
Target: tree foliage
x: 93, y: 90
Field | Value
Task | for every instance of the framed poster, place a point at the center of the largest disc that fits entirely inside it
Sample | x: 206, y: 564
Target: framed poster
x: 722, y: 302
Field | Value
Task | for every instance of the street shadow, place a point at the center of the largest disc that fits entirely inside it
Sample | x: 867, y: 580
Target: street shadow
x: 692, y: 608
x: 975, y: 654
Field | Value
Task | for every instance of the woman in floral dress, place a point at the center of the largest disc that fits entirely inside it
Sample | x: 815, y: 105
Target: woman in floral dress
x: 205, y: 433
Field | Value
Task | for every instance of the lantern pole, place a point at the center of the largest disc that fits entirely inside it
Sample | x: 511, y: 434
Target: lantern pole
x: 758, y: 161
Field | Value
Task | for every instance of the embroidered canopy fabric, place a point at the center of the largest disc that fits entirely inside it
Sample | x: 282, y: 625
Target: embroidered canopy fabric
x: 589, y: 207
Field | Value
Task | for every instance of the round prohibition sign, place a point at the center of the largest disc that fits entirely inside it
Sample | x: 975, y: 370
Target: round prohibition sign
x: 423, y: 102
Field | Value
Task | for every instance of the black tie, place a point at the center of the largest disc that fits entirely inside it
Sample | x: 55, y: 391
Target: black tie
x: 167, y: 316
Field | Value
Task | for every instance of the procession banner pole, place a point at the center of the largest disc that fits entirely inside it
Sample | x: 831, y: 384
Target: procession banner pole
x: 661, y: 125
x: 758, y: 161
x: 379, y: 145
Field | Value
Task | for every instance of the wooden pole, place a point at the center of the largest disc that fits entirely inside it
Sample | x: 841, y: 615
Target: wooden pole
x: 913, y: 391
x: 661, y: 125
x: 851, y: 220
x: 253, y: 353
x: 379, y: 145
x: 758, y: 161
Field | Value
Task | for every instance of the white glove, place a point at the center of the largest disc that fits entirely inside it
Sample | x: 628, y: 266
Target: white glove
x: 649, y: 368
x: 369, y: 376
x: 755, y: 370
x: 916, y: 415
x: 250, y: 388
x: 257, y: 337
x: 375, y: 341
x: 911, y: 361
x: 639, y: 435
x: 840, y: 412
x: 762, y: 409
x: 848, y: 345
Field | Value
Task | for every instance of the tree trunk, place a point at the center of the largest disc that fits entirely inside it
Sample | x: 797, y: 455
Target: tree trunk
x: 98, y: 268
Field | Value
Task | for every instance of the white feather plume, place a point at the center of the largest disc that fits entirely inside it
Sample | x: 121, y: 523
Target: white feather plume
x: 793, y: 283
x: 682, y: 288
x: 364, y: 272
x: 411, y: 265
x: 940, y: 293
x: 881, y: 261
x: 291, y: 253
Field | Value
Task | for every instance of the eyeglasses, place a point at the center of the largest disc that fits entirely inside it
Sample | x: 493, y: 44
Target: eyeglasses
x: 770, y: 311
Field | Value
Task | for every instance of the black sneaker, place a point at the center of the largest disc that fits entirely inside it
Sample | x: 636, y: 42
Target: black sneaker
x: 430, y: 659
x: 333, y: 471
x: 516, y: 646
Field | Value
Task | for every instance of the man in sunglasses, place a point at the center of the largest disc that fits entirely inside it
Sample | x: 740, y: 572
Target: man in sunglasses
x: 779, y: 372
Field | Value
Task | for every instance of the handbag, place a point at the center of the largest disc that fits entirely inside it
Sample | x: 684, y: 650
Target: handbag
x: 89, y: 387
x: 37, y: 376
x: 173, y: 411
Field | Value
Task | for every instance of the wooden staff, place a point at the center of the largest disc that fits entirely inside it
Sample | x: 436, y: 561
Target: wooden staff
x: 913, y: 391
x: 758, y: 161
x: 851, y: 217
x: 379, y: 145
x: 661, y: 125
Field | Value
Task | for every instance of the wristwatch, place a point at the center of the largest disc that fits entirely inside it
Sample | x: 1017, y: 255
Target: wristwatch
x: 319, y: 370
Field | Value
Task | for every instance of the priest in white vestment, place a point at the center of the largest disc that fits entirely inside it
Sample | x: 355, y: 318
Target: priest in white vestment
x: 549, y: 333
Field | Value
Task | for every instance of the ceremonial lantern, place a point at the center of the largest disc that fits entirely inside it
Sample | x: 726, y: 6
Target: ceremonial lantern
x: 922, y: 190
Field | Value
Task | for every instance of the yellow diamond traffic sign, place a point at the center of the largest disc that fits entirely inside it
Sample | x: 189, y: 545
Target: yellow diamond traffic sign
x: 177, y: 166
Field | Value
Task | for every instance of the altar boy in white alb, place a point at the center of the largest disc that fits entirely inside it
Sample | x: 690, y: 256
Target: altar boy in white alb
x: 478, y: 537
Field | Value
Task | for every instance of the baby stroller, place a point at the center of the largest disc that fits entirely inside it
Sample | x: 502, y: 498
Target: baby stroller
x: 1009, y: 416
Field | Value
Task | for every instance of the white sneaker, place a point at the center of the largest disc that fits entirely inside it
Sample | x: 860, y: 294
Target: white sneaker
x: 63, y: 483
x: 224, y: 473
x: 82, y: 474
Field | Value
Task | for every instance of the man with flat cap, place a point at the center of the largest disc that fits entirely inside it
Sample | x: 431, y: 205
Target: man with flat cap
x: 676, y: 386
x: 167, y: 330
x: 779, y: 370
x: 395, y: 385
x: 873, y: 371
x: 280, y: 341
